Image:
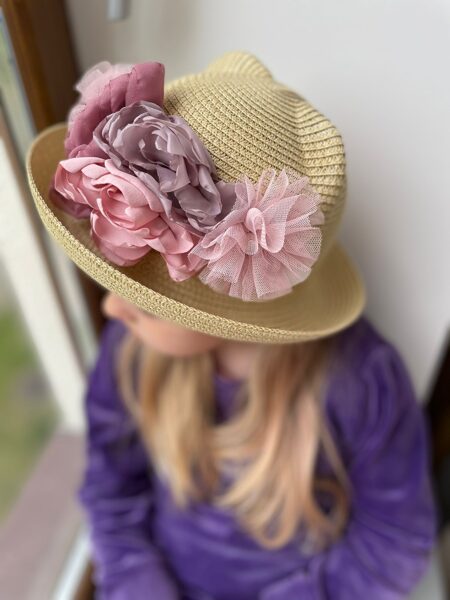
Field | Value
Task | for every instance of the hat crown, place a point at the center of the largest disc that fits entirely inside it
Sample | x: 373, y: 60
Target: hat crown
x: 239, y: 63
x: 249, y: 122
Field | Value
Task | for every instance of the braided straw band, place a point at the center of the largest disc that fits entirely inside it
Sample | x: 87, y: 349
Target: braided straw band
x: 330, y: 299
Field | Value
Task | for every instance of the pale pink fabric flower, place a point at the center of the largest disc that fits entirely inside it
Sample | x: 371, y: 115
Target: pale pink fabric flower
x: 105, y: 89
x: 127, y: 218
x: 267, y: 243
x: 92, y: 83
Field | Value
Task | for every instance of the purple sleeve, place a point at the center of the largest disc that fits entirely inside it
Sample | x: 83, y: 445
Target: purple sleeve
x: 116, y: 492
x: 386, y: 547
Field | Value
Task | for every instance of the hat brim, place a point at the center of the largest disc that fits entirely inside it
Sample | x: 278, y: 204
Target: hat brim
x: 329, y: 300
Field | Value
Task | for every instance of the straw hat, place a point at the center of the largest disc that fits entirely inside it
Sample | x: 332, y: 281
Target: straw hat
x: 248, y: 122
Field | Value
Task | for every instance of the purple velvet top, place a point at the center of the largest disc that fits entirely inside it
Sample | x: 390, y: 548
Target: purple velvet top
x: 144, y: 547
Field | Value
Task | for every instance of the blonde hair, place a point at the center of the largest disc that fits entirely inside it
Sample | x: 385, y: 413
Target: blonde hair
x: 269, y: 446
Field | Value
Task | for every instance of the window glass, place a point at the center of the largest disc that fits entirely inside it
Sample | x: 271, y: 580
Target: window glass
x: 28, y: 414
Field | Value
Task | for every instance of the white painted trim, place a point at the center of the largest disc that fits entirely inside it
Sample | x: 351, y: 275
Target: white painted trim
x: 73, y: 570
x: 73, y: 300
x: 30, y: 275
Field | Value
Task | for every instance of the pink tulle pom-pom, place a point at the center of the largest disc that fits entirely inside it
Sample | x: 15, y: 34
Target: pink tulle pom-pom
x: 267, y: 243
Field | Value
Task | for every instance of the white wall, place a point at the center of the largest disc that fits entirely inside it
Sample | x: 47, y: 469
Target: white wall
x: 379, y: 70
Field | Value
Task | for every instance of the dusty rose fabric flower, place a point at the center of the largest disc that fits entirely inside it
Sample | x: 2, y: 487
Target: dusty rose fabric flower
x: 267, y: 243
x: 127, y: 218
x: 105, y: 89
x: 168, y: 156
x: 92, y: 83
x: 71, y: 188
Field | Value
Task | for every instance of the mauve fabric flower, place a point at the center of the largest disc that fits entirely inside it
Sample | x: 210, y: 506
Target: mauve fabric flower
x: 267, y: 243
x: 105, y: 89
x: 168, y: 156
x: 126, y: 217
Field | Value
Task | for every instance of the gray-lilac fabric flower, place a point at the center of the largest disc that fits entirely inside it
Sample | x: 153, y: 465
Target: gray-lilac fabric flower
x: 168, y: 156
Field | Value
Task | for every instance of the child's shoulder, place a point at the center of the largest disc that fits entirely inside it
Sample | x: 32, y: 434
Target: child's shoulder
x: 111, y: 336
x: 359, y: 341
x: 362, y: 346
x: 112, y: 333
x: 102, y: 375
x: 371, y: 385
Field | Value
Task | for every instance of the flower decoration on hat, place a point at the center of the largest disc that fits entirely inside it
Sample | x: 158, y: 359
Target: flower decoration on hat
x: 168, y: 157
x: 267, y: 243
x: 146, y: 182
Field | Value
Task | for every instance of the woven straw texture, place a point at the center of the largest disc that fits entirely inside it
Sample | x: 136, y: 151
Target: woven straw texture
x: 248, y: 122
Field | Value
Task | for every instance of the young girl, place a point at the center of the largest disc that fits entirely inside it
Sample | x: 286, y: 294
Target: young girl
x: 251, y: 435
